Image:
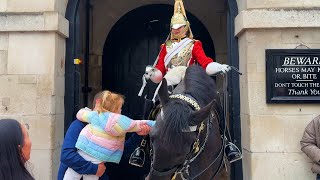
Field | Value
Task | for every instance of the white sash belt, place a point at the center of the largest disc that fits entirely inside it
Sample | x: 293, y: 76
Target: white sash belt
x: 175, y: 50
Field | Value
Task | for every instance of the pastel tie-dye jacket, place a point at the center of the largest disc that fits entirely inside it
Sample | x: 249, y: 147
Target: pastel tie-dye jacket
x: 103, y: 138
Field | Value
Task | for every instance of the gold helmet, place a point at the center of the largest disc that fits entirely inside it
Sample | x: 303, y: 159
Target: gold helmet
x: 179, y: 19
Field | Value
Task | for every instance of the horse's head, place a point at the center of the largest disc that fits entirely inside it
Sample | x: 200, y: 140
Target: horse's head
x: 175, y: 133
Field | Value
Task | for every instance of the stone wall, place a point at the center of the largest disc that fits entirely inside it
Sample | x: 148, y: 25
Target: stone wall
x: 32, y: 59
x: 271, y: 132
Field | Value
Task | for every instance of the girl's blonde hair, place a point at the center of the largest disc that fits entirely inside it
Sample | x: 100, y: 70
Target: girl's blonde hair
x: 108, y: 102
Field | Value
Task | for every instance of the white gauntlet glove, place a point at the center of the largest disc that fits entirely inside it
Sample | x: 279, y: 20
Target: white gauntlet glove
x: 149, y: 73
x: 214, y: 68
x: 153, y: 74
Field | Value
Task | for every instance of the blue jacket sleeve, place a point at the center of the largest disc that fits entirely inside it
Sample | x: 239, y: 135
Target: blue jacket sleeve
x: 69, y: 154
x: 131, y: 144
x: 133, y: 141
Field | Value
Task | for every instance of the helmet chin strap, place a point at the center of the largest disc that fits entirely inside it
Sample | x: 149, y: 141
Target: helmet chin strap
x: 181, y: 34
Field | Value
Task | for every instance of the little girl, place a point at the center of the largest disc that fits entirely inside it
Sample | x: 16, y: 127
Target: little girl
x: 102, y: 140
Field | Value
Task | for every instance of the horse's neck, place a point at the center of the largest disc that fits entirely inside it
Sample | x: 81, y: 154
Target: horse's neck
x: 211, y: 151
x: 180, y: 88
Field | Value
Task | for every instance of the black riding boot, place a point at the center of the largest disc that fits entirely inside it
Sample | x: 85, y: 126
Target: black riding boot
x: 232, y: 152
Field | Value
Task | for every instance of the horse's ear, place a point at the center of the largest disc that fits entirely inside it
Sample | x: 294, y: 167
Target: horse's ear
x: 198, y: 116
x: 163, y: 92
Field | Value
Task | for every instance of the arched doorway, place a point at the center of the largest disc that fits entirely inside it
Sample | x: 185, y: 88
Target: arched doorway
x: 134, y: 42
x: 227, y: 9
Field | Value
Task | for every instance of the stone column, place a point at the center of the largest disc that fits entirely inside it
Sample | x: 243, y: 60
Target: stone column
x: 32, y: 59
x: 271, y: 132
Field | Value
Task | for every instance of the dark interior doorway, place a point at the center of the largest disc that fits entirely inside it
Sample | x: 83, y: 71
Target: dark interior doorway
x: 144, y: 16
x: 133, y: 43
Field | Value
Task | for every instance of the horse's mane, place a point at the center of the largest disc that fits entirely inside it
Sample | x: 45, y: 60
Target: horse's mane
x: 174, y: 120
x: 177, y: 113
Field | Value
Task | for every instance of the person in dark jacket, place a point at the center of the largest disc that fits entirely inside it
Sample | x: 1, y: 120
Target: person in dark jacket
x: 70, y: 157
x: 310, y: 144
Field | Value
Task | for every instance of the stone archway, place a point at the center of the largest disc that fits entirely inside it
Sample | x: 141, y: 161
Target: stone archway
x: 133, y: 44
x: 101, y: 22
x: 213, y: 19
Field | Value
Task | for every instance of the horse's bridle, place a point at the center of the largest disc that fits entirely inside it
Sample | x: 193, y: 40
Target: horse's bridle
x: 183, y: 169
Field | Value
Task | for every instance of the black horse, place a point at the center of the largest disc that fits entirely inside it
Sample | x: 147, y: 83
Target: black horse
x: 186, y: 141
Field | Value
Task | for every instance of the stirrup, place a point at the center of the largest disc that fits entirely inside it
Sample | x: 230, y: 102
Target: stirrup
x: 137, y: 158
x: 233, y: 153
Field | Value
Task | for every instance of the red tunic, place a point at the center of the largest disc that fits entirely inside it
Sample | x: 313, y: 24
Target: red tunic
x: 198, y: 55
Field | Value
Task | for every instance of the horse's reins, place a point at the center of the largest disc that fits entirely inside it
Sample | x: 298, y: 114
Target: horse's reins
x: 184, y: 168
x: 225, y: 108
x: 180, y: 169
x: 195, y: 150
x: 220, y: 152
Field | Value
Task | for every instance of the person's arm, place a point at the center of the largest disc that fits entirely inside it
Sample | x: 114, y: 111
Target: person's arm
x: 206, y: 62
x: 85, y: 115
x: 69, y: 154
x: 141, y: 127
x: 308, y: 142
x: 133, y: 140
x: 117, y: 125
x: 160, y: 64
x: 199, y: 54
x: 156, y: 73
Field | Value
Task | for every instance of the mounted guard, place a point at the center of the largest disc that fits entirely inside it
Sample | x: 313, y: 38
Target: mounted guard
x: 179, y: 51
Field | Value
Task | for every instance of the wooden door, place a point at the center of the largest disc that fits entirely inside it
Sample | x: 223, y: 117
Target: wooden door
x: 133, y: 43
